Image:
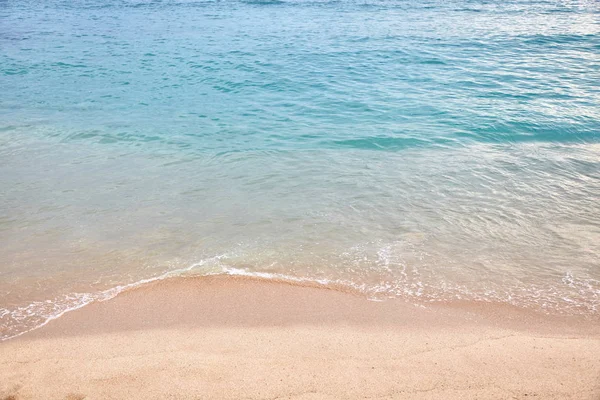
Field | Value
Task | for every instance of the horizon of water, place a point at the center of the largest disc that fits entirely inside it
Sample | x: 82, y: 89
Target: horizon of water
x: 421, y: 150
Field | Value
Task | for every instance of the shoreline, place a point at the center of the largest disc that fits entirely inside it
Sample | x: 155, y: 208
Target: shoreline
x: 480, y: 305
x: 227, y: 337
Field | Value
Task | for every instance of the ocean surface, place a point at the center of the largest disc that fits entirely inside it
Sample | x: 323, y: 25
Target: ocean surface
x: 422, y: 150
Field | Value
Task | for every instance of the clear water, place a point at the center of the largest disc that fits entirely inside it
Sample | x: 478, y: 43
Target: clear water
x: 426, y: 150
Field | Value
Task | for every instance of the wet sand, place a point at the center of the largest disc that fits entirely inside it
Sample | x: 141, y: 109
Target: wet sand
x: 235, y: 338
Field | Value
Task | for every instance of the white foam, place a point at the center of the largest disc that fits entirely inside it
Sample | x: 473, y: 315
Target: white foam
x: 76, y: 301
x: 544, y: 298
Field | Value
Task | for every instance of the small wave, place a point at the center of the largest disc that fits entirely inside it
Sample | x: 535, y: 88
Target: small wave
x: 49, y: 310
x: 581, y: 297
x: 43, y: 312
x: 561, y: 39
x: 380, y: 143
x: 263, y: 2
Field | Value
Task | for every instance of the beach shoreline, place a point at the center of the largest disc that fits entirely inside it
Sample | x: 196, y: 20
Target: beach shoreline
x: 229, y: 337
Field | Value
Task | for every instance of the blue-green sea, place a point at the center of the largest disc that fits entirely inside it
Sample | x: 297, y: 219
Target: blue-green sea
x: 414, y: 150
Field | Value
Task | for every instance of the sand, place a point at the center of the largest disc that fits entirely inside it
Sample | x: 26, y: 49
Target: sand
x: 233, y: 338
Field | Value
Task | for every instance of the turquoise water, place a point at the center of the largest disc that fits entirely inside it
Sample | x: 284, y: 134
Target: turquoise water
x: 422, y: 150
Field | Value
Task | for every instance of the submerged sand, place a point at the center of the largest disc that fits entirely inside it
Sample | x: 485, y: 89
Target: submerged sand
x: 234, y: 338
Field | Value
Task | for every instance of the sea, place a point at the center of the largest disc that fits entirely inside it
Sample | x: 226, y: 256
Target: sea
x: 411, y: 150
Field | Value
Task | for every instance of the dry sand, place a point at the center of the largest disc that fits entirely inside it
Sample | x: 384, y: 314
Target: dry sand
x: 232, y: 338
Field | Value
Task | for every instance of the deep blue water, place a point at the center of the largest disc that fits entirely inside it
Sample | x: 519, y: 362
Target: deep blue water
x: 429, y: 150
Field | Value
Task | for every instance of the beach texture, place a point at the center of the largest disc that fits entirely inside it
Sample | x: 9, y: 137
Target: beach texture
x: 235, y: 338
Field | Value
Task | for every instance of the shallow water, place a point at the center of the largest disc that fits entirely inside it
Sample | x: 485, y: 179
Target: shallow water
x: 427, y: 150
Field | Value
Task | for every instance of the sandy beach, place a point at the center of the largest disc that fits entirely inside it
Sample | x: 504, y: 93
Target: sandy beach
x: 234, y: 338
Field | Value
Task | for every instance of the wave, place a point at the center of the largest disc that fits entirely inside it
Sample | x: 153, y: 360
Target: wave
x: 263, y: 2
x: 46, y: 311
x: 583, y: 300
x: 60, y: 306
